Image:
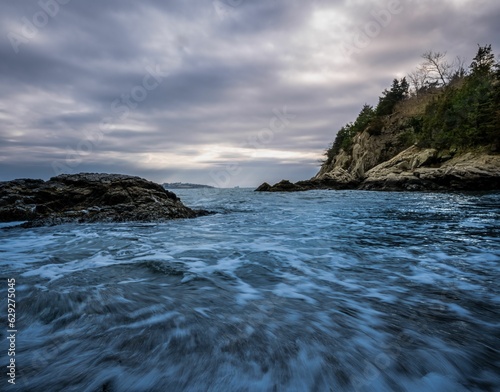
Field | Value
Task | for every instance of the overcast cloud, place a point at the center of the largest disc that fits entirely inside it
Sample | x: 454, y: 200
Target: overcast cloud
x: 225, y: 92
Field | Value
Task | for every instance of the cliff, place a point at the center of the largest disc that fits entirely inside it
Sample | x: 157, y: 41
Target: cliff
x: 442, y: 135
x: 383, y: 162
x: 87, y: 198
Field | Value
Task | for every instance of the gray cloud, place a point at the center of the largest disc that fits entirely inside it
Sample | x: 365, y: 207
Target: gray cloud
x: 226, y: 68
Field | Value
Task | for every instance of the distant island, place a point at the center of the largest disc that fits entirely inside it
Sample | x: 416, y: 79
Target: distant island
x: 184, y: 185
x: 437, y: 130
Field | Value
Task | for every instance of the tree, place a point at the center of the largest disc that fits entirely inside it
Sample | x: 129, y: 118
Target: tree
x: 459, y: 71
x: 494, y: 131
x: 436, y: 72
x: 389, y: 99
x: 418, y: 79
x: 345, y: 136
x: 342, y: 141
x: 438, y: 69
x: 484, y: 62
x: 467, y: 114
x: 485, y: 78
x: 464, y: 113
x: 364, y: 118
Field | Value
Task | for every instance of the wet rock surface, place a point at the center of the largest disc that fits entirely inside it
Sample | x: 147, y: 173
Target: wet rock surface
x: 87, y: 198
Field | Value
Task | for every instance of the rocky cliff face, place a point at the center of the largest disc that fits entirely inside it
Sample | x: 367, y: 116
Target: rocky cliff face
x: 380, y: 162
x: 460, y: 118
x: 88, y: 197
x: 429, y: 169
x: 369, y: 149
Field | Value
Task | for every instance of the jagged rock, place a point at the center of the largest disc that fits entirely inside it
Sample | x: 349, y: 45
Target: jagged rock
x: 89, y: 197
x: 336, y: 174
x: 265, y: 187
x: 282, y: 186
x: 368, y: 150
x: 421, y: 169
x: 419, y: 158
x: 308, y: 185
x: 414, y: 169
x: 471, y: 171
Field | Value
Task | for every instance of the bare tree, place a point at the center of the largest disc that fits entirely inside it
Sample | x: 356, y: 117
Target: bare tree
x: 438, y: 68
x: 460, y: 66
x: 436, y: 71
x: 418, y: 79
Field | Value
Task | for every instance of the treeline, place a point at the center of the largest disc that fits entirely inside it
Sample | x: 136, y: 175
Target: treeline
x: 462, y: 107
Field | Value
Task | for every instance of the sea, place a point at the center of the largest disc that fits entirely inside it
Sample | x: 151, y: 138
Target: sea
x: 309, y: 291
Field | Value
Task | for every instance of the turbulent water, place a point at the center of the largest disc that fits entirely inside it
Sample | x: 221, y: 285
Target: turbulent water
x: 315, y: 291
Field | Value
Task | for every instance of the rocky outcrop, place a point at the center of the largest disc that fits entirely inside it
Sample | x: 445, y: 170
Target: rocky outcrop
x: 308, y: 185
x: 428, y: 169
x: 282, y: 186
x: 414, y: 169
x: 369, y: 149
x: 264, y: 187
x: 89, y: 197
x: 375, y: 152
x: 347, y: 170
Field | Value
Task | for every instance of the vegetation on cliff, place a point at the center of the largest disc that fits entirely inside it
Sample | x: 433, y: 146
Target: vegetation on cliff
x: 438, y: 129
x: 443, y: 106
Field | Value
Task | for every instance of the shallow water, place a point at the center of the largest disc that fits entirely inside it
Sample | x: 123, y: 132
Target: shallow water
x: 315, y: 291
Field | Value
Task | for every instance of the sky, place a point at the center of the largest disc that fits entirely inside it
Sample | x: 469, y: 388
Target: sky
x: 219, y: 92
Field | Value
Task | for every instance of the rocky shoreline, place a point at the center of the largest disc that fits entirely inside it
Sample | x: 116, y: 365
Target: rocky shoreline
x: 414, y: 169
x: 89, y: 198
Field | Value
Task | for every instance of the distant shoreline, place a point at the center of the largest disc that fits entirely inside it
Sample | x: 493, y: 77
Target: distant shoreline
x: 182, y: 185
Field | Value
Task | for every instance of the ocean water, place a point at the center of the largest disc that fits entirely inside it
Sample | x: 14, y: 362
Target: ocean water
x: 315, y: 291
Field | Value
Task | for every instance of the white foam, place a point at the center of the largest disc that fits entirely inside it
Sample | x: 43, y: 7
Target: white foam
x: 286, y: 291
x: 155, y: 319
x: 56, y: 271
x: 246, y: 293
x: 203, y: 311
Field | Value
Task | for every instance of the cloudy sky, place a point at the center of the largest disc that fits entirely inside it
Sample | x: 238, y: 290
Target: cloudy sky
x: 224, y: 92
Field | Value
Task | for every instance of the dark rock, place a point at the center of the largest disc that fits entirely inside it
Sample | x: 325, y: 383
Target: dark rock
x: 265, y: 187
x: 307, y: 185
x: 89, y: 197
x: 282, y: 186
x: 285, y: 186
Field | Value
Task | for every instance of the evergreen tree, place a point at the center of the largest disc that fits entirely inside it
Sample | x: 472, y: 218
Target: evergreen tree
x: 344, y: 138
x: 389, y: 99
x: 464, y: 113
x: 364, y: 118
x: 484, y: 62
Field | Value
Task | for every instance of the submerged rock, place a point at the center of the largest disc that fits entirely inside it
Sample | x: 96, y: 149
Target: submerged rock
x: 89, y: 197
